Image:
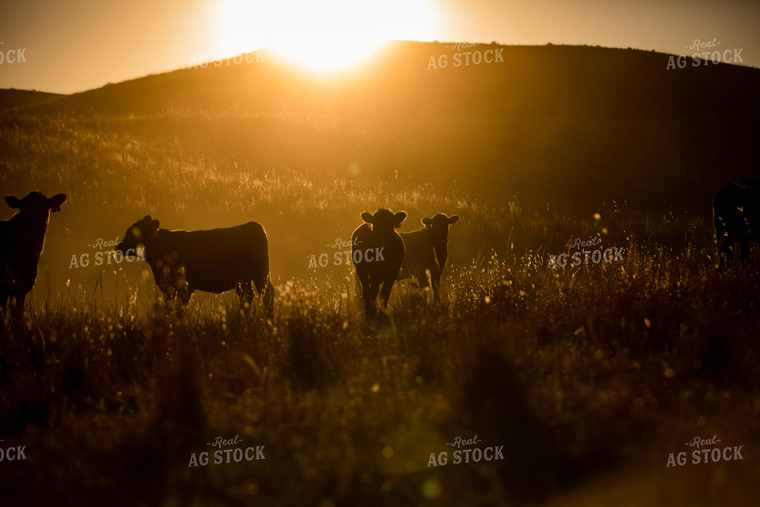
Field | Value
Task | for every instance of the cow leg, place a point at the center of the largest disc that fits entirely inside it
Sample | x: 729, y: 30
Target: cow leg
x: 18, y: 305
x: 269, y: 299
x: 728, y: 251
x: 184, y: 294
x: 370, y: 292
x: 435, y: 281
x: 385, y: 292
x: 245, y: 293
x: 424, y: 280
x: 265, y: 289
x: 744, y: 246
x: 170, y: 297
x: 725, y: 252
x: 724, y: 236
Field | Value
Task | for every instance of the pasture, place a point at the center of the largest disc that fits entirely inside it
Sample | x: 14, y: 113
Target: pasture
x: 585, y: 378
x: 588, y: 379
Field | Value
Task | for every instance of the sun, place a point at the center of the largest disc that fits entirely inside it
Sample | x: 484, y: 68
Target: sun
x: 322, y: 36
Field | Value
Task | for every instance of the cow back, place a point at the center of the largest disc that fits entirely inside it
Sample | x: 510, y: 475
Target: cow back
x: 214, y: 260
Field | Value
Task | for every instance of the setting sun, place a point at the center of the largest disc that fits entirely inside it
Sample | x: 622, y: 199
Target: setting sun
x: 325, y: 36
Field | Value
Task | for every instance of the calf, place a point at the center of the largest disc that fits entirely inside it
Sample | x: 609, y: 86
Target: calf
x: 734, y: 210
x: 427, y: 251
x: 378, y: 274
x: 216, y: 260
x: 21, y: 240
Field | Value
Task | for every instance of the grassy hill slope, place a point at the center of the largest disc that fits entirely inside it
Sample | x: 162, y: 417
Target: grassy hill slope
x: 588, y: 377
x: 568, y: 125
x: 565, y: 131
x: 16, y: 99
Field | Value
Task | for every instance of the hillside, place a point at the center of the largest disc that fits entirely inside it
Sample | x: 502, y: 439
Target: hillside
x: 524, y: 149
x: 17, y: 99
x: 571, y: 126
x: 586, y: 384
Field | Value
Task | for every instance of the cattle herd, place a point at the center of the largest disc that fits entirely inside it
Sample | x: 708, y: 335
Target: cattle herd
x: 219, y: 260
x: 237, y: 257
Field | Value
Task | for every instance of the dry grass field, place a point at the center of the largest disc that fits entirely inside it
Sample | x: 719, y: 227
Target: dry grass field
x: 585, y: 378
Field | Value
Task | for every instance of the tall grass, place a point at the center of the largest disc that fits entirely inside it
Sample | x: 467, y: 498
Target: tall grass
x: 572, y: 371
x: 580, y: 373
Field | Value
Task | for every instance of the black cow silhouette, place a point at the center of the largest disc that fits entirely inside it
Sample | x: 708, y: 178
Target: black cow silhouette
x: 377, y: 253
x: 21, y: 240
x: 427, y: 251
x: 215, y: 260
x: 735, y: 208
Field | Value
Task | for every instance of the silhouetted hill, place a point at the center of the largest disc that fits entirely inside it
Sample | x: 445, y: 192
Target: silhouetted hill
x: 14, y: 99
x: 571, y: 126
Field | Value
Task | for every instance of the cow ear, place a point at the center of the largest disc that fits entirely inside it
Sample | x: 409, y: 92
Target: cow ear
x: 454, y: 219
x: 399, y: 217
x: 146, y: 219
x: 13, y: 201
x: 56, y: 201
x: 154, y: 225
x: 427, y: 222
x: 367, y: 217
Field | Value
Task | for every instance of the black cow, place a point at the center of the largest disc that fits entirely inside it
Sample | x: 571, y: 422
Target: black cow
x: 21, y: 241
x: 427, y: 251
x: 216, y: 260
x: 734, y: 210
x: 377, y: 253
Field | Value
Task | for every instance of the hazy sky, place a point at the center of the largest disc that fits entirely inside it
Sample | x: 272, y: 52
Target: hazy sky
x: 76, y: 45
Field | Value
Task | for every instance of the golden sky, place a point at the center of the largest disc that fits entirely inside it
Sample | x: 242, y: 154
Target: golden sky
x: 82, y: 44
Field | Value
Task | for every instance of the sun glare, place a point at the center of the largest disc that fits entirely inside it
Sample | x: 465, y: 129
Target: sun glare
x: 322, y: 36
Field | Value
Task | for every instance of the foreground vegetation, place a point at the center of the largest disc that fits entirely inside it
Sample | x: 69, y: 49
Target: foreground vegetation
x: 578, y: 373
x: 589, y: 377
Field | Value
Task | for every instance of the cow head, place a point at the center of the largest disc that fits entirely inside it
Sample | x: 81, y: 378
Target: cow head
x: 35, y: 205
x: 138, y: 234
x: 384, y: 220
x: 439, y: 225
